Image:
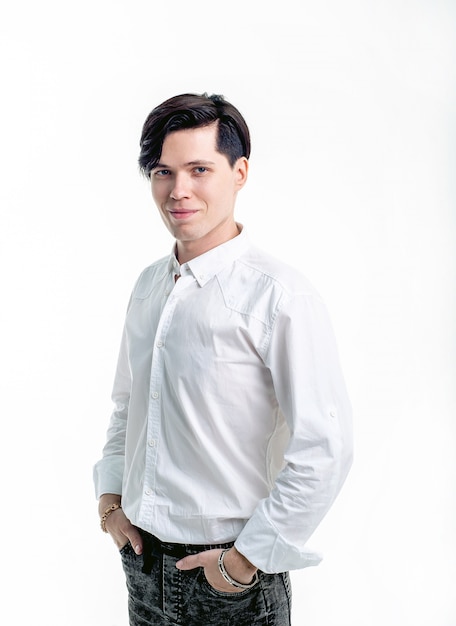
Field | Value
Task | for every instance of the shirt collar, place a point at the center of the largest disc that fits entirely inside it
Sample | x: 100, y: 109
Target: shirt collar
x: 207, y: 265
x: 173, y: 263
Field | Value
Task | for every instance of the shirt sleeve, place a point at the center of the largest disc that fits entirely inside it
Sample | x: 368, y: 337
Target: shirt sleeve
x: 303, y: 359
x: 108, y: 471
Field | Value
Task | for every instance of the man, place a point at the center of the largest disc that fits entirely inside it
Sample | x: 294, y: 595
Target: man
x: 231, y: 432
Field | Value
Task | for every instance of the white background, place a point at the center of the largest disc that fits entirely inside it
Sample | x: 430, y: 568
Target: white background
x: 351, y: 107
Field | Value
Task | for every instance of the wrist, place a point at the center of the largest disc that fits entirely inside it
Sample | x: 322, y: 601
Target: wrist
x: 106, y: 500
x: 106, y: 513
x: 236, y: 569
x: 108, y: 503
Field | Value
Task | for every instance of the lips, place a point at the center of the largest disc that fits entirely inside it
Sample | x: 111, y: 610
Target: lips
x: 181, y: 214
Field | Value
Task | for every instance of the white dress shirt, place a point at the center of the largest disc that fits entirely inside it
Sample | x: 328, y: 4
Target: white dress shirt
x: 231, y: 417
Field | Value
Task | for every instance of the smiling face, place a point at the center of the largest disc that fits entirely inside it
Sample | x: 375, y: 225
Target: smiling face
x: 195, y: 189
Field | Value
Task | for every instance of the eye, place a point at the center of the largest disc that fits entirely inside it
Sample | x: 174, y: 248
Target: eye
x: 161, y: 173
x: 200, y: 169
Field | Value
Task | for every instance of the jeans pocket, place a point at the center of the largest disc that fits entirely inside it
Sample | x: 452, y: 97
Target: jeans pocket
x: 224, y: 594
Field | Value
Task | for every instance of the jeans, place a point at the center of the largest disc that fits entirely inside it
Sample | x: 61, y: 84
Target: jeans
x: 159, y: 594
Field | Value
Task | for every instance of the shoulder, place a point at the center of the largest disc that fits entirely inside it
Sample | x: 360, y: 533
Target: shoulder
x: 261, y: 286
x: 275, y: 273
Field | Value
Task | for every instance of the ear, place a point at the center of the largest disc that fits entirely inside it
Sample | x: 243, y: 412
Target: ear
x: 241, y: 170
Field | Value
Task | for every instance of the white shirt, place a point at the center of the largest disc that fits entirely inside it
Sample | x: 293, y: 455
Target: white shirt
x: 231, y: 416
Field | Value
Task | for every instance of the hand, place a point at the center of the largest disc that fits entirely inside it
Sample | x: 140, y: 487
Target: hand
x: 119, y: 526
x: 236, y: 564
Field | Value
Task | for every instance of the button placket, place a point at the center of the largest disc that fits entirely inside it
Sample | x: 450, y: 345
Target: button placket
x: 154, y: 411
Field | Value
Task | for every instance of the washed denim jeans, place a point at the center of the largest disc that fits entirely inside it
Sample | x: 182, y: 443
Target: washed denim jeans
x: 160, y: 594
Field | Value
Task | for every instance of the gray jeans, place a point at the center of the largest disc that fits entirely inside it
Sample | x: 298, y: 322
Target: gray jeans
x: 159, y: 594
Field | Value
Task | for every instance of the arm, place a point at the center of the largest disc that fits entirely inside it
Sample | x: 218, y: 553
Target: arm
x: 108, y: 471
x: 303, y: 360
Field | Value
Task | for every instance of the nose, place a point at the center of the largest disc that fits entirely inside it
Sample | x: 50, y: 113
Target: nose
x: 181, y: 187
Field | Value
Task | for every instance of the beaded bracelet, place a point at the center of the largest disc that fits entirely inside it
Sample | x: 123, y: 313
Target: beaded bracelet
x: 106, y: 514
x: 228, y: 578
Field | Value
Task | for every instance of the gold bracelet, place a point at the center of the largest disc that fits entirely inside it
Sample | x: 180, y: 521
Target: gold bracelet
x: 106, y: 514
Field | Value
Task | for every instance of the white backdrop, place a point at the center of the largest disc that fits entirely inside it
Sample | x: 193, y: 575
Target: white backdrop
x: 351, y: 107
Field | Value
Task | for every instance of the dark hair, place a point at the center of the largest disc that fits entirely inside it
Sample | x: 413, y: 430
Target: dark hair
x: 192, y: 111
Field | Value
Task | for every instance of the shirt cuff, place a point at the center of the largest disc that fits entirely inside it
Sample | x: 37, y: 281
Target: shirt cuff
x: 265, y: 548
x: 107, y: 476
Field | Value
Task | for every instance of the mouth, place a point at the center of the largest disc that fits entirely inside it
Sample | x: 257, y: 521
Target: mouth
x: 182, y: 214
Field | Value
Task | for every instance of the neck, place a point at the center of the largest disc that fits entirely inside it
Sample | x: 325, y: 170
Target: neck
x: 188, y: 250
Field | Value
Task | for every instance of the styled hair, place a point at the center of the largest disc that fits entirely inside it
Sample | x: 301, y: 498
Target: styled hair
x: 193, y: 111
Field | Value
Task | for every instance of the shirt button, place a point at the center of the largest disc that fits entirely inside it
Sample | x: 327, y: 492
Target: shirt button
x: 152, y: 443
x: 159, y: 344
x: 332, y: 413
x: 148, y: 492
x: 155, y: 395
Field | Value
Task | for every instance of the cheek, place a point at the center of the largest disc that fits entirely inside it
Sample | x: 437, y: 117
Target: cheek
x: 157, y: 194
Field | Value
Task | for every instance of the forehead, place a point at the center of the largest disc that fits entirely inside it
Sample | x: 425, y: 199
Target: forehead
x: 196, y: 143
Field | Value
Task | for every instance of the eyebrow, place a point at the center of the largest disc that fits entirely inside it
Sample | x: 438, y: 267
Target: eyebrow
x: 190, y: 163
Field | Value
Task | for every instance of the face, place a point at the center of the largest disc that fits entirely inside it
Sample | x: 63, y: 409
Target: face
x: 195, y: 188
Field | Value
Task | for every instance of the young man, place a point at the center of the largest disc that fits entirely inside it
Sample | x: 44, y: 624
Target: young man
x: 231, y: 432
